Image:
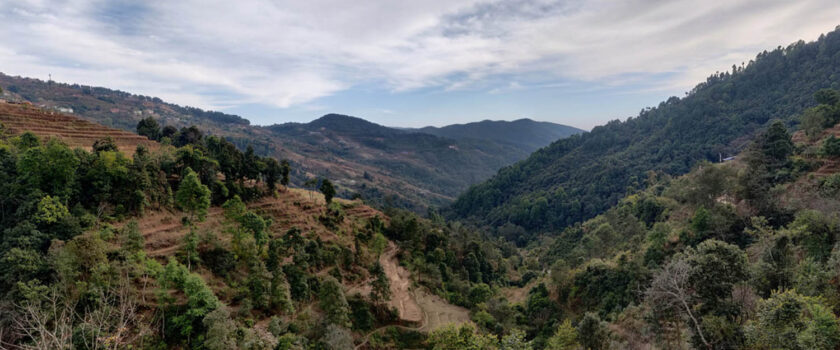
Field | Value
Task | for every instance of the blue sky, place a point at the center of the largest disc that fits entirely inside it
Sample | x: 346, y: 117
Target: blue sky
x: 401, y: 63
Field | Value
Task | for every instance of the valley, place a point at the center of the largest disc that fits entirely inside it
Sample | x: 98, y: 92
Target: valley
x: 386, y: 166
x: 710, y: 220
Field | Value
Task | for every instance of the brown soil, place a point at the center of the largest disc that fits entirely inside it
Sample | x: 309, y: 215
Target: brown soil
x: 417, y: 304
x: 400, y: 278
x: 516, y: 295
x: 75, y: 132
x: 164, y: 232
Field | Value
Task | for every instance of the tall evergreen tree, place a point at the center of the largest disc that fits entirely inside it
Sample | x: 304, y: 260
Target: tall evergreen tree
x: 192, y: 196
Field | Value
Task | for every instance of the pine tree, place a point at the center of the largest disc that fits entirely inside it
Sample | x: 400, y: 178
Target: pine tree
x: 380, y: 286
x: 192, y: 196
x: 334, y: 303
x: 328, y: 190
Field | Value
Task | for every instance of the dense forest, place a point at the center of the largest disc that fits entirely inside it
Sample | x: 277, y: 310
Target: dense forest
x: 738, y: 255
x: 577, y: 178
x: 71, y: 275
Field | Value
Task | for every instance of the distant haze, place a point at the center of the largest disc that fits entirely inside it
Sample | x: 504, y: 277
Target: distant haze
x: 408, y: 64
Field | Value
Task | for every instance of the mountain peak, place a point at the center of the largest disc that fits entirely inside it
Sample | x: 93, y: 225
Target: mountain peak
x: 346, y: 123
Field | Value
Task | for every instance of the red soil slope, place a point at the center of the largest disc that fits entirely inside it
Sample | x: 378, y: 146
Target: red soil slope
x: 75, y: 132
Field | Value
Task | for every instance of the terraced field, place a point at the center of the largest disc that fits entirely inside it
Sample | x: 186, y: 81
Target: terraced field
x: 74, y: 131
x: 164, y: 232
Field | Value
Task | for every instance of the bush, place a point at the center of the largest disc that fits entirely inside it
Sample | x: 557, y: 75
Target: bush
x: 831, y: 147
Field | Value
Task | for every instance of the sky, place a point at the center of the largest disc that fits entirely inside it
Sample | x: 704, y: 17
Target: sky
x: 401, y: 63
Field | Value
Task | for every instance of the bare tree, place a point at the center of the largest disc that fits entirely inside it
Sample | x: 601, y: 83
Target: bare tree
x: 48, y: 324
x: 672, y: 290
x: 110, y: 322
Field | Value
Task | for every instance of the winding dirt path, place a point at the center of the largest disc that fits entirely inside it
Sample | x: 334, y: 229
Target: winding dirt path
x: 416, y: 304
x: 400, y: 278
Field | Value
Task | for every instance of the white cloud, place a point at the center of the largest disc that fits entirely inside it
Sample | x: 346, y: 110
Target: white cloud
x: 215, y: 54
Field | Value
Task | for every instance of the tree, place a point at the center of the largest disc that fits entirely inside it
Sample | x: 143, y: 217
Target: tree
x: 281, y: 297
x: 193, y: 157
x: 221, y: 330
x: 200, y: 298
x: 565, y: 338
x: 479, y: 293
x: 831, y: 147
x: 150, y: 128
x: 259, y: 284
x: 337, y: 338
x: 251, y: 164
x: 829, y: 97
x: 464, y: 337
x: 50, y: 168
x: 190, y: 247
x: 106, y: 144
x: 715, y: 268
x: 132, y: 239
x: 272, y: 173
x: 328, y: 190
x: 671, y: 290
x: 189, y: 136
x: 515, y: 341
x: 227, y: 155
x: 776, y: 144
x: 380, y: 287
x: 50, y: 211
x: 593, y: 333
x: 257, y: 226
x: 284, y: 172
x: 192, y: 196
x: 333, y: 302
x: 788, y: 320
x: 311, y: 183
x: 169, y: 132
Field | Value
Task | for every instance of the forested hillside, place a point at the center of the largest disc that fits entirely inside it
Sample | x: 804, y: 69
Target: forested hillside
x: 736, y: 255
x: 526, y: 134
x: 191, y: 244
x: 385, y: 166
x: 426, y: 169
x: 579, y: 177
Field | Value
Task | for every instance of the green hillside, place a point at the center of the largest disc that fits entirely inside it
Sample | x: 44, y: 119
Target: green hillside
x: 391, y: 166
x: 526, y: 134
x: 386, y: 166
x: 577, y: 178
x: 736, y: 255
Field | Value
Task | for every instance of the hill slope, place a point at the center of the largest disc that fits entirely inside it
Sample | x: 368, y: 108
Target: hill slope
x: 576, y: 178
x: 384, y: 165
x: 714, y: 244
x: 75, y: 132
x: 369, y: 158
x: 526, y: 134
x: 259, y: 264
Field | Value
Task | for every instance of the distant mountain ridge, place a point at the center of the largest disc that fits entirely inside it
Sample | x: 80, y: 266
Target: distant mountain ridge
x: 441, y: 165
x: 579, y: 177
x: 387, y: 166
x: 528, y: 134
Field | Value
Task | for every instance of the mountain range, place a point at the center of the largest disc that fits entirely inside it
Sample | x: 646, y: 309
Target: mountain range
x: 408, y: 168
x: 579, y: 177
x: 525, y: 133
